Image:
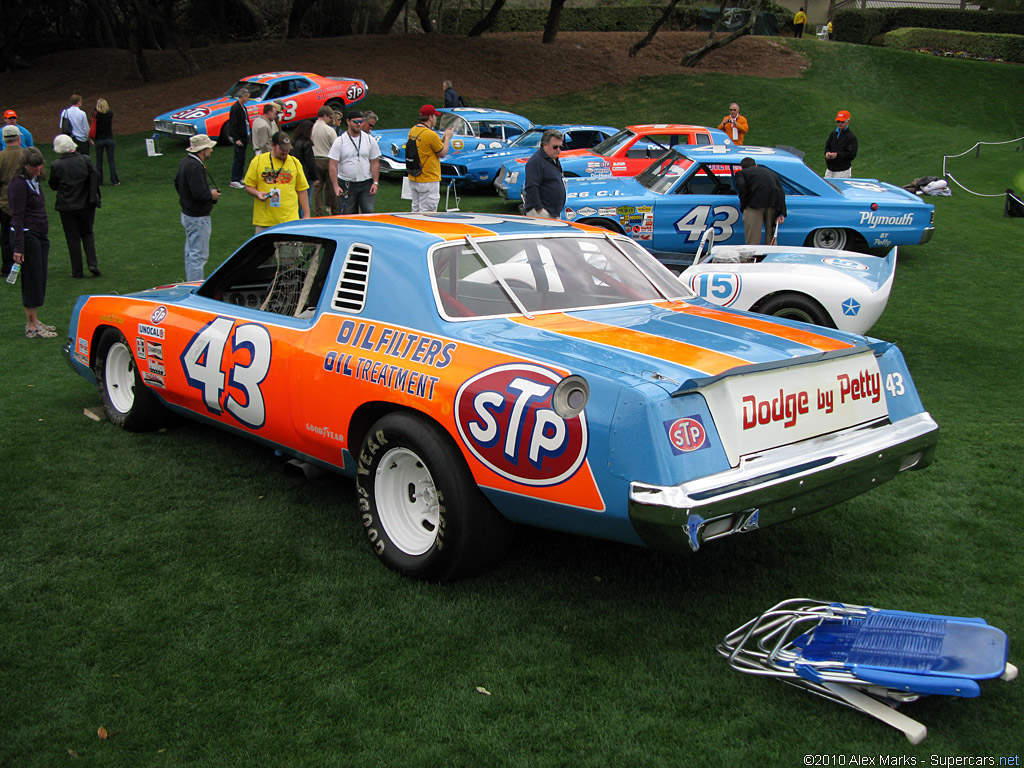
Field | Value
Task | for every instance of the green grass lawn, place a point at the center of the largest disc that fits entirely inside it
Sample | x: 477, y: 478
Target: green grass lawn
x: 175, y: 589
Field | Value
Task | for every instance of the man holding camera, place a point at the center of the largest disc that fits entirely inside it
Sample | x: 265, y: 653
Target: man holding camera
x: 734, y: 124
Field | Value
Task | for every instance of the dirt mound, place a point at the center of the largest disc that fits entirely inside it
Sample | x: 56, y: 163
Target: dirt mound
x: 506, y: 67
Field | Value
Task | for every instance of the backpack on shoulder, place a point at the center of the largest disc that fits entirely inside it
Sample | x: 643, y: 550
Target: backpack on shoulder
x: 413, y: 166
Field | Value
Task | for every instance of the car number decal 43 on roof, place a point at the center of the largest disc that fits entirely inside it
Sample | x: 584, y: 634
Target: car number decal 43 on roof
x: 507, y: 419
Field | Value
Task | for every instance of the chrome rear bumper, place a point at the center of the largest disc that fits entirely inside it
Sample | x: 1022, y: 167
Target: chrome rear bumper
x: 780, y: 484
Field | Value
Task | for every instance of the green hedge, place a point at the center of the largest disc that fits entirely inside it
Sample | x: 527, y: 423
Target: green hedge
x: 862, y: 26
x: 1006, y: 47
x: 637, y: 18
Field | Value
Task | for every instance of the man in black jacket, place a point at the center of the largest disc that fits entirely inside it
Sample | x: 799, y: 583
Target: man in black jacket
x: 238, y: 131
x: 762, y: 200
x: 840, y: 148
x: 544, y: 188
x: 197, y: 200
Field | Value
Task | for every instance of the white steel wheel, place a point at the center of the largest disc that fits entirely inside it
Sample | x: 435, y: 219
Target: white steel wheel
x: 120, y: 377
x: 407, y: 501
x: 830, y: 237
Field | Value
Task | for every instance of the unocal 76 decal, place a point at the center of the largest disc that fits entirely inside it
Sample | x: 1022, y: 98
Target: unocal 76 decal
x: 230, y: 383
x: 701, y: 217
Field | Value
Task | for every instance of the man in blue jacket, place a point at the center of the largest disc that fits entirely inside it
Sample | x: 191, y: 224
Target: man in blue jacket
x: 544, y: 188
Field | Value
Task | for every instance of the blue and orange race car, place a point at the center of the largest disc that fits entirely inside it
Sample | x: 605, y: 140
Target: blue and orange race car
x: 300, y: 93
x: 690, y: 190
x: 473, y: 372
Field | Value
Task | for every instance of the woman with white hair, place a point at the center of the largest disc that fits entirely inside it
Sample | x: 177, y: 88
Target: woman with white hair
x: 76, y: 182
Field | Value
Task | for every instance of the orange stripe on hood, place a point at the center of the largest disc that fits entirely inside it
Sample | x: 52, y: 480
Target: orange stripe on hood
x: 800, y: 336
x: 698, y: 358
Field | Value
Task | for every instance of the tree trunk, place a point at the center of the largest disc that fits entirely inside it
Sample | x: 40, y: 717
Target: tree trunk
x: 103, y: 21
x: 641, y: 44
x: 487, y: 21
x: 390, y: 17
x: 693, y: 57
x: 423, y: 11
x: 298, y: 12
x: 554, y: 19
x: 141, y: 65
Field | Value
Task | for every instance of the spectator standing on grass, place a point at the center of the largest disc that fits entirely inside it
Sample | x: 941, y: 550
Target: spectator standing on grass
x: 734, y: 124
x: 799, y: 22
x: 451, y: 96
x: 11, y: 118
x: 355, y: 167
x: 10, y: 166
x: 275, y: 179
x: 104, y: 140
x: 369, y: 120
x: 302, y: 149
x: 263, y: 127
x: 762, y: 201
x: 197, y: 196
x: 544, y: 188
x: 239, y: 133
x: 840, y: 149
x: 430, y: 148
x: 30, y: 239
x: 75, y: 123
x: 324, y: 135
x: 76, y: 181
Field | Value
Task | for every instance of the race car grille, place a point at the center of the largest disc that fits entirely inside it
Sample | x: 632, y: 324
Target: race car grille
x: 177, y: 129
x: 350, y: 295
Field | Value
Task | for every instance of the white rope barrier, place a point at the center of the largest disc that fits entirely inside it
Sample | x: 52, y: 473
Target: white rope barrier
x: 977, y: 148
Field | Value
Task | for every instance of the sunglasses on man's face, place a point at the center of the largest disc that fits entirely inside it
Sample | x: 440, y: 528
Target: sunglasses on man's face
x: 556, y: 147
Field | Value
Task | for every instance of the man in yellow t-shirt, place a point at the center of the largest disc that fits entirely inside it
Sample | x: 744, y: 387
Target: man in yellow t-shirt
x: 426, y: 187
x: 275, y: 180
x: 799, y: 22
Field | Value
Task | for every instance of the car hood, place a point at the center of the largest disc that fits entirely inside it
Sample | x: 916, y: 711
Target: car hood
x: 218, y: 104
x: 665, y: 343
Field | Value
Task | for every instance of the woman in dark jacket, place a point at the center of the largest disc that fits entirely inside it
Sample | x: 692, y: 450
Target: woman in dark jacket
x: 104, y: 139
x: 302, y: 150
x: 73, y: 176
x: 29, y: 240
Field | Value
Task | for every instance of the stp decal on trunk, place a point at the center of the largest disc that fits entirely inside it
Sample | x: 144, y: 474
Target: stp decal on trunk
x: 506, y: 418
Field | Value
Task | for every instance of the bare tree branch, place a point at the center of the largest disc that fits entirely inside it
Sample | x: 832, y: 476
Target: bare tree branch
x: 487, y: 21
x: 692, y: 58
x: 641, y: 44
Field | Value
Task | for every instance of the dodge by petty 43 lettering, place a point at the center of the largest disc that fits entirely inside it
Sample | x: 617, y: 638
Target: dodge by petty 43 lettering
x: 300, y: 93
x: 473, y: 372
x: 689, y: 190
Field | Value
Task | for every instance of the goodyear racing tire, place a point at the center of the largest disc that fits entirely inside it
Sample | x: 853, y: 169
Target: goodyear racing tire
x: 829, y: 237
x: 796, y: 306
x: 129, y: 403
x: 422, y: 511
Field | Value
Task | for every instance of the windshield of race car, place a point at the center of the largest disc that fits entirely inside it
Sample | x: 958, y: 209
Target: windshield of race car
x: 536, y: 274
x: 662, y: 174
x: 256, y: 90
x: 459, y: 125
x: 613, y: 144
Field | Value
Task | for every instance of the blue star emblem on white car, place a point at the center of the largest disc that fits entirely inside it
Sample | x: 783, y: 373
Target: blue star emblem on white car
x: 851, y: 307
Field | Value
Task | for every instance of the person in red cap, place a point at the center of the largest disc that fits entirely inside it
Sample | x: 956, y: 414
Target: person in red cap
x: 840, y: 148
x: 11, y: 118
x: 425, y: 184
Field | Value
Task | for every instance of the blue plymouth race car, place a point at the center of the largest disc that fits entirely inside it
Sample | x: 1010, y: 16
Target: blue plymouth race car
x: 480, y: 167
x: 668, y: 207
x: 300, y: 94
x: 474, y: 128
x: 472, y: 372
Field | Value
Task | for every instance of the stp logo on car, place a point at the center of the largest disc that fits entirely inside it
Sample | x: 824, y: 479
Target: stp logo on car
x: 686, y: 434
x: 506, y: 418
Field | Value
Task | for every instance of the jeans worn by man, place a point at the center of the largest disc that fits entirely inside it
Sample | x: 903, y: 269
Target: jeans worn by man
x: 197, y: 200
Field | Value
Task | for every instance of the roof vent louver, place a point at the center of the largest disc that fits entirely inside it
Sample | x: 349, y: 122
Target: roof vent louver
x: 350, y: 295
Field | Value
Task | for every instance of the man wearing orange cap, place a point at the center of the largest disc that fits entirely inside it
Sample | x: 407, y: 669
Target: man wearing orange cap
x: 11, y: 118
x: 840, y: 148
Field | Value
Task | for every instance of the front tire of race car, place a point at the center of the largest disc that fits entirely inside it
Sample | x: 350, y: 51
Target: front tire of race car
x: 829, y: 237
x: 796, y: 306
x: 423, y: 513
x: 128, y: 402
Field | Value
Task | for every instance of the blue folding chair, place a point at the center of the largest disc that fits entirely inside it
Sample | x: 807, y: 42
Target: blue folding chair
x: 870, y: 659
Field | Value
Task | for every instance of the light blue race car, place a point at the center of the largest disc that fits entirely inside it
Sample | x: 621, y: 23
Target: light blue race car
x: 689, y: 190
x: 474, y: 128
x: 479, y: 168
